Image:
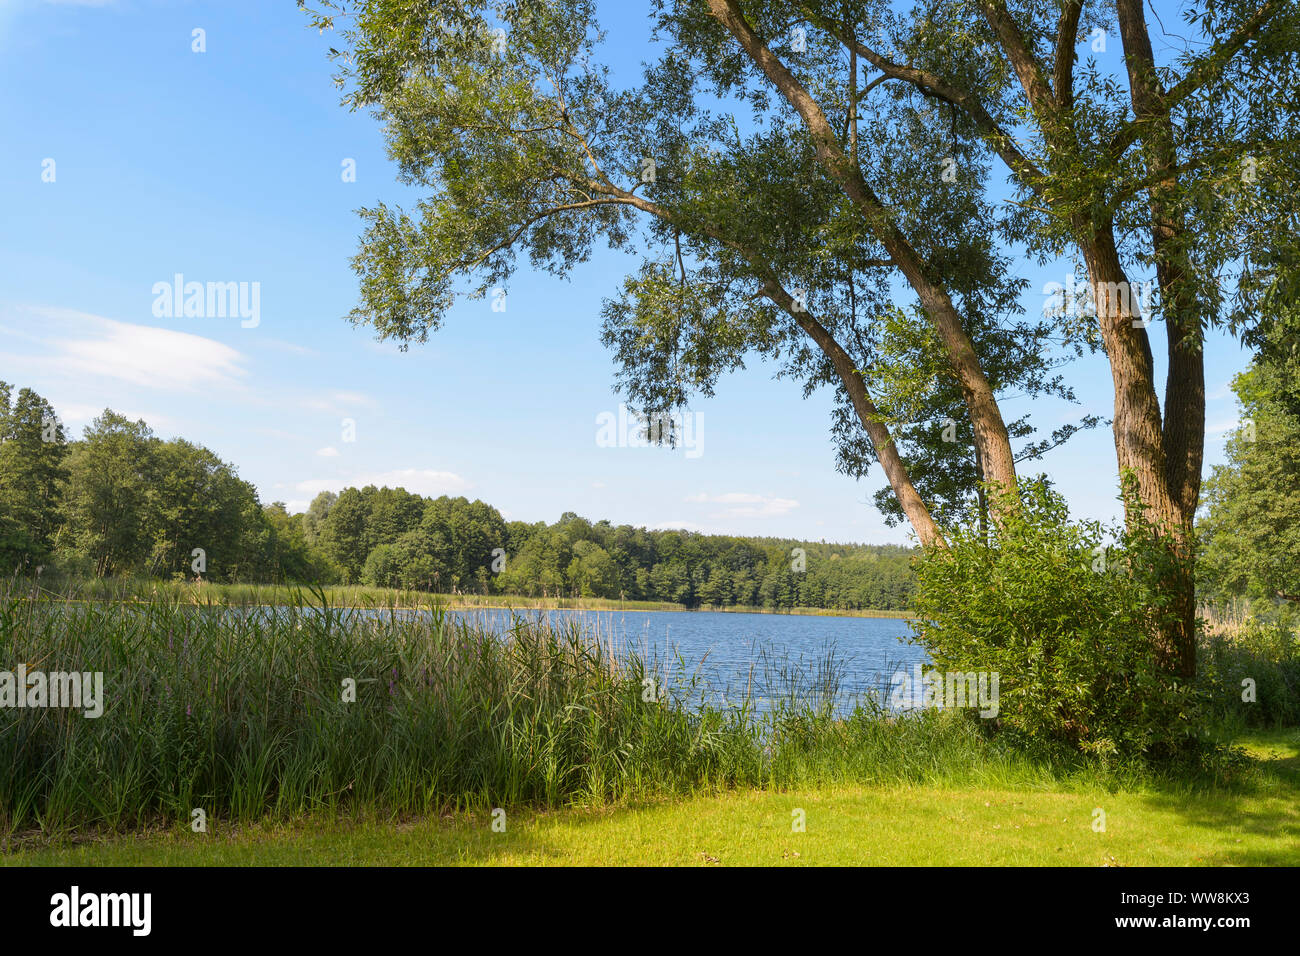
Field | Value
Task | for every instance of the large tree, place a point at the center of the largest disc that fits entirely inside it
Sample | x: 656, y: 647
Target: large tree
x: 33, y: 448
x: 794, y: 165
x: 136, y: 503
x: 107, y: 505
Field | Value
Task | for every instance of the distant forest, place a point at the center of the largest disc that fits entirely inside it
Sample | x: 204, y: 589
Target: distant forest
x: 122, y: 501
x: 387, y: 536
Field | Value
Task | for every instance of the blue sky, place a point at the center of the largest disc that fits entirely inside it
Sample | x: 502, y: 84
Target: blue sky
x: 225, y: 166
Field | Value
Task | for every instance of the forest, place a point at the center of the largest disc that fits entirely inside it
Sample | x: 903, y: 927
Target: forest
x: 121, y: 501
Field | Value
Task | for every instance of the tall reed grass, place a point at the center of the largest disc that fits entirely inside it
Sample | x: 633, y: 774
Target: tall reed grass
x: 241, y: 712
x: 339, y: 595
x: 1249, y: 665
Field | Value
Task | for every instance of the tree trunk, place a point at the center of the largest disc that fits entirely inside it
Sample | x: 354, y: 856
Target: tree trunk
x: 1184, y: 417
x: 900, y: 481
x: 1139, y: 440
x: 990, y: 430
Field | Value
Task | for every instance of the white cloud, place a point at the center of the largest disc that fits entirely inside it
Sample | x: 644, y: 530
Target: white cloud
x: 329, y: 451
x: 82, y: 345
x: 745, y: 505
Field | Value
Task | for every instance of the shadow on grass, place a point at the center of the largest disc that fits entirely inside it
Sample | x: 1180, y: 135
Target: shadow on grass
x: 1265, y: 810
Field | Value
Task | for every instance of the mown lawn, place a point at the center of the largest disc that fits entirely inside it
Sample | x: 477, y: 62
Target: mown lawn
x: 1257, y: 825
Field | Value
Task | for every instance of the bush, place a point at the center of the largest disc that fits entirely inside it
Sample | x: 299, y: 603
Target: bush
x: 1066, y: 622
x: 1266, y: 650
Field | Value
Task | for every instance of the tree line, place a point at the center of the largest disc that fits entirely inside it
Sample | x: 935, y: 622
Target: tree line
x: 122, y: 501
x: 385, y: 536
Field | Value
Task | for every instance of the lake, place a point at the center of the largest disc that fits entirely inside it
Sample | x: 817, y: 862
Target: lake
x: 769, y: 655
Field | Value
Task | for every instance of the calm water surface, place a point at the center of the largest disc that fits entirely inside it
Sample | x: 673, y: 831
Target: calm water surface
x: 730, y: 654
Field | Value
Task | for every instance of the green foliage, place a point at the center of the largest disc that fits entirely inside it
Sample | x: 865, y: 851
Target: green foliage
x: 532, y: 150
x: 1264, y: 651
x: 243, y: 711
x: 451, y: 545
x: 921, y: 397
x: 107, y: 499
x: 135, y: 504
x: 1250, y: 542
x: 1251, y: 527
x: 1067, y: 618
x: 129, y: 503
x: 284, y: 553
x: 33, y: 449
x: 121, y: 501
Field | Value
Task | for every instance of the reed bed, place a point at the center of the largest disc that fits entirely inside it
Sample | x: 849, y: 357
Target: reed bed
x: 243, y: 713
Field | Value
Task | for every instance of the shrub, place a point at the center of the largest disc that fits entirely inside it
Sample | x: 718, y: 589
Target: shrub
x: 1065, y: 621
x: 1265, y: 649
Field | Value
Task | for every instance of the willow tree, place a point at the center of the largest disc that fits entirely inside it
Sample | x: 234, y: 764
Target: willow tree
x: 791, y: 168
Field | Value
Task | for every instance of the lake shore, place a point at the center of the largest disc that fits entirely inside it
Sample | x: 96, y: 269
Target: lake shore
x: 359, y: 597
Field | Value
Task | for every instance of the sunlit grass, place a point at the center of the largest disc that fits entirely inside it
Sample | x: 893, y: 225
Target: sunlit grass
x: 241, y: 712
x: 844, y: 826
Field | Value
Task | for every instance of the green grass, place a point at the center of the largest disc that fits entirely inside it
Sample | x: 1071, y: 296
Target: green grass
x: 239, y: 712
x: 362, y: 596
x: 1254, y: 824
x: 244, y: 713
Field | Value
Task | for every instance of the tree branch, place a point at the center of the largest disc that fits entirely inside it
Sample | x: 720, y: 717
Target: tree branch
x: 1067, y: 35
x: 1003, y: 144
x: 1201, y: 72
x: 1023, y: 61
